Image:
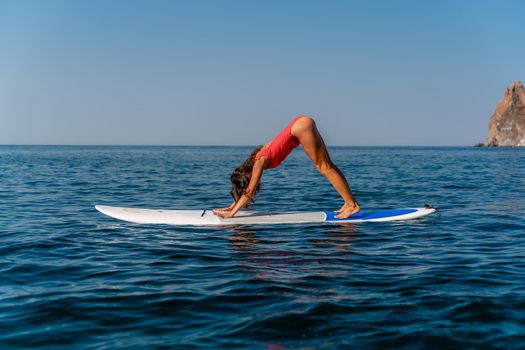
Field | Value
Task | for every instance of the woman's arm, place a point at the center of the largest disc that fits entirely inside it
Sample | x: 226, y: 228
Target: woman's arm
x: 257, y: 171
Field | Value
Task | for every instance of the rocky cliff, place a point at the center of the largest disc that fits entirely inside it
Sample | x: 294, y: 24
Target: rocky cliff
x: 507, y: 124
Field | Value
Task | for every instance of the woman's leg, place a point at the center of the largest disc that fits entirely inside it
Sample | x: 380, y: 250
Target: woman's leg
x: 314, y: 147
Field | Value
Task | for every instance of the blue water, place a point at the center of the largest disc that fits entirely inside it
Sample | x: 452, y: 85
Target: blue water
x: 72, y: 278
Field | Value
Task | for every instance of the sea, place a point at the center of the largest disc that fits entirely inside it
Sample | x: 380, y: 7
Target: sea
x: 72, y: 278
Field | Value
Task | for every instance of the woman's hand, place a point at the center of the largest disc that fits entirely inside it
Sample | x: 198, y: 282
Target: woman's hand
x: 223, y: 215
x: 222, y: 209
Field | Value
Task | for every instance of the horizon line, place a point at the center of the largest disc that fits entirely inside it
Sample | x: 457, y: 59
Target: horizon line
x: 197, y: 145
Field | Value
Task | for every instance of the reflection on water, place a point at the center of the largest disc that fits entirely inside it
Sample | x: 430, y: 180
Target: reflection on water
x: 340, y: 237
x: 244, y: 238
x: 266, y: 259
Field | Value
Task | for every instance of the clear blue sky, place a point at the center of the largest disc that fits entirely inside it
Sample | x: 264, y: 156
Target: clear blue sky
x: 234, y: 72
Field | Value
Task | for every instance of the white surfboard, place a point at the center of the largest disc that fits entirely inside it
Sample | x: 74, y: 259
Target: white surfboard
x: 207, y: 218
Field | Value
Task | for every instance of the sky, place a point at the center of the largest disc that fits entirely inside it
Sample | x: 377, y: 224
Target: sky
x: 235, y: 72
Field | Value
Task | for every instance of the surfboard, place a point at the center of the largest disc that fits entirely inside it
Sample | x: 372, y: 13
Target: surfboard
x: 207, y: 218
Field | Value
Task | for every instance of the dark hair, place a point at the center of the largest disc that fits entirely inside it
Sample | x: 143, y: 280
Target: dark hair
x: 240, y: 177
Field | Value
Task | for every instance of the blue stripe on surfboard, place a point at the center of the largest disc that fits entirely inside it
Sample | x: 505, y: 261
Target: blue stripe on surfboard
x: 368, y: 215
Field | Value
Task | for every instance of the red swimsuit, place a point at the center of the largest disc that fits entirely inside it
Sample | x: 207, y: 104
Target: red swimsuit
x: 280, y: 147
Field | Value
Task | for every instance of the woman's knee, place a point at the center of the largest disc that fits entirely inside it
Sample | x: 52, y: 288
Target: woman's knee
x: 305, y: 124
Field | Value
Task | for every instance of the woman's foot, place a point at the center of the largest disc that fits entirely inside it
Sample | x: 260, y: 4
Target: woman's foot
x: 348, y: 209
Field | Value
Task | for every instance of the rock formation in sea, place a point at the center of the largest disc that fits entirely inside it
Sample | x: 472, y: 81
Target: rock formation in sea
x: 507, y: 124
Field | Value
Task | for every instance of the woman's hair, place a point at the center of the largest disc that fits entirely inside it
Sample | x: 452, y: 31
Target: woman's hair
x: 240, y: 177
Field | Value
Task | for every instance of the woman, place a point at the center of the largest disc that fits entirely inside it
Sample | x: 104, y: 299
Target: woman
x: 301, y: 131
